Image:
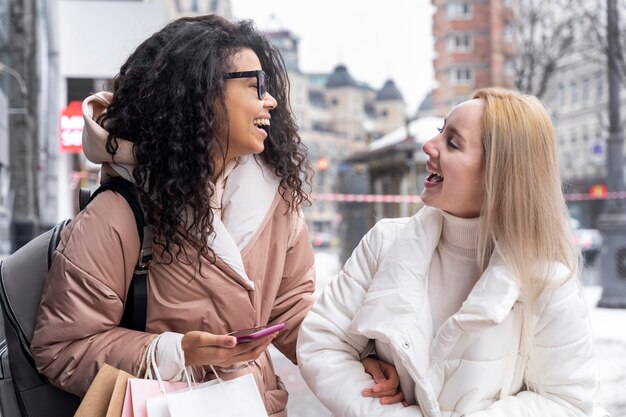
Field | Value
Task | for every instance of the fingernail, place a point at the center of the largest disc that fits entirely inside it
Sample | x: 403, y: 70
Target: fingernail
x: 376, y: 389
x: 366, y: 393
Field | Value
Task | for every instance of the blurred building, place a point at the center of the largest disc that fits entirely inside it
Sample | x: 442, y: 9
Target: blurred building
x: 90, y: 55
x: 29, y: 72
x: 426, y: 107
x: 393, y: 165
x: 180, y: 8
x: 473, y: 49
x: 5, y: 172
x: 577, y: 97
x: 5, y: 177
x: 337, y: 116
x: 396, y: 165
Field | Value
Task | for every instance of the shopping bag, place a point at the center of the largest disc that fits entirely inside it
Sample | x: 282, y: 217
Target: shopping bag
x: 102, y: 397
x: 119, y: 393
x: 139, y: 390
x: 238, y: 397
x: 157, y: 406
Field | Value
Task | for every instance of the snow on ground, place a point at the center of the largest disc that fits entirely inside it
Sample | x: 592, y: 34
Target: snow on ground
x: 609, y: 329
x: 326, y: 268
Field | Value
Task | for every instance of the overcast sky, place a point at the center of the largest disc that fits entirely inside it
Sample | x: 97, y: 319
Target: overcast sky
x: 375, y: 39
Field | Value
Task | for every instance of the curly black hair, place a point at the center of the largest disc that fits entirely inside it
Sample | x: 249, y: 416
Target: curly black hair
x: 166, y: 99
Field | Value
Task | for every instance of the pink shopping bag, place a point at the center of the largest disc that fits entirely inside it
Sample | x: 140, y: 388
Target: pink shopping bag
x: 139, y: 390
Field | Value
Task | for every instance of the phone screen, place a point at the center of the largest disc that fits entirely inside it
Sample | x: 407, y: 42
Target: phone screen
x: 247, y: 332
x: 248, y: 335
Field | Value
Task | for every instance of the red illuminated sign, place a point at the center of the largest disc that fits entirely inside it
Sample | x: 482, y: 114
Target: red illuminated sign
x: 598, y: 191
x: 72, y: 128
x: 322, y: 164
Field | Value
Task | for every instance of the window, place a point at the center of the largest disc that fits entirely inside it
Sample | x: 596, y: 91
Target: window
x: 585, y: 146
x: 461, y: 42
x: 573, y: 92
x: 458, y: 9
x: 599, y: 85
x: 509, y: 32
x: 561, y: 94
x: 459, y: 75
x: 509, y: 66
x: 585, y: 89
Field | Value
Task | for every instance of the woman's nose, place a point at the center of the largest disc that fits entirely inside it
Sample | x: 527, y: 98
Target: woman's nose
x: 430, y: 148
x: 269, y: 101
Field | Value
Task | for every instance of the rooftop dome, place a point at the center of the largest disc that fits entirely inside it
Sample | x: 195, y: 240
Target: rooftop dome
x: 389, y: 92
x: 340, y: 78
x: 427, y: 103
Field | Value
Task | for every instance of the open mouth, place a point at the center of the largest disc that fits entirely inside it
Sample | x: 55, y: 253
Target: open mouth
x: 262, y: 124
x: 434, y: 178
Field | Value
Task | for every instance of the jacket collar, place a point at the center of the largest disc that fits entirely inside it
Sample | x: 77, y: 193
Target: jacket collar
x: 249, y: 196
x: 397, y: 297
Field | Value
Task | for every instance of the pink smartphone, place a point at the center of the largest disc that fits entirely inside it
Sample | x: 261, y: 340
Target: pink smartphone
x: 248, y: 335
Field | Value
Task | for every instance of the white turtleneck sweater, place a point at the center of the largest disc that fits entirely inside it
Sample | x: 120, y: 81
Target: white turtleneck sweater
x: 453, y: 268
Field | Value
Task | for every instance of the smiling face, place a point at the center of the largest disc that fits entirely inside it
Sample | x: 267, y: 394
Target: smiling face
x: 455, y: 163
x: 248, y: 117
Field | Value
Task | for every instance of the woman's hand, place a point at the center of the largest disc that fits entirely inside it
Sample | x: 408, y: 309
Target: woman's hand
x: 386, y: 379
x: 202, y: 348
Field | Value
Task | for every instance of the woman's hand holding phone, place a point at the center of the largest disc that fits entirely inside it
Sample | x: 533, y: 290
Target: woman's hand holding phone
x: 202, y: 348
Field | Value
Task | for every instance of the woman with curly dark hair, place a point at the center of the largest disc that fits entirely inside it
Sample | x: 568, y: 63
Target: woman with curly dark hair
x: 199, y: 121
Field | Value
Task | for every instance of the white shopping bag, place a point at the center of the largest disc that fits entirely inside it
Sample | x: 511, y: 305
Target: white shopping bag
x: 157, y: 406
x: 239, y: 397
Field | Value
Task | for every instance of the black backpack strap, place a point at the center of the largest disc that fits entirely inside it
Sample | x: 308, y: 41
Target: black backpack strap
x: 135, y: 308
x: 84, y: 197
x: 55, y: 239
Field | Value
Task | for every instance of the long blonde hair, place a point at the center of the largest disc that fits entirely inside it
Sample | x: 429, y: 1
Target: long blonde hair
x: 524, y: 211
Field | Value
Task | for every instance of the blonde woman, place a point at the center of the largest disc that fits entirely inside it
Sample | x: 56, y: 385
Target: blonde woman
x: 476, y: 298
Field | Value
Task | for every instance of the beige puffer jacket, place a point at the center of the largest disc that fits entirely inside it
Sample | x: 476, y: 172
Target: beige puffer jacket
x: 83, y: 299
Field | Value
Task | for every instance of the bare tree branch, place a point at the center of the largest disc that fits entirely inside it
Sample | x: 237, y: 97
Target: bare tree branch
x: 594, y: 22
x: 544, y: 35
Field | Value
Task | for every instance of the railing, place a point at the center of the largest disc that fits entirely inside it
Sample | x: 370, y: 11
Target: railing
x: 391, y: 198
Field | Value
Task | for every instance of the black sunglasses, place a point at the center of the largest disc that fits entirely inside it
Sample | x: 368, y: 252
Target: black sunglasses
x: 261, y: 80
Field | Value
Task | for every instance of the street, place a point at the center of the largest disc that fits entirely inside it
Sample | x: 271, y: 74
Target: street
x: 609, y: 326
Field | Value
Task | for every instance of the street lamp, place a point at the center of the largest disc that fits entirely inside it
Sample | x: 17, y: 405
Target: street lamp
x: 612, y: 222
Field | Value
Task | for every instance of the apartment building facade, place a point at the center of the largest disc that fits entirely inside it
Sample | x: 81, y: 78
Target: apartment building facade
x: 474, y: 48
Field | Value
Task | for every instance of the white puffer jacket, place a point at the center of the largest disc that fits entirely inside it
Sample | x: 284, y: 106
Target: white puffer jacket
x: 472, y: 366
